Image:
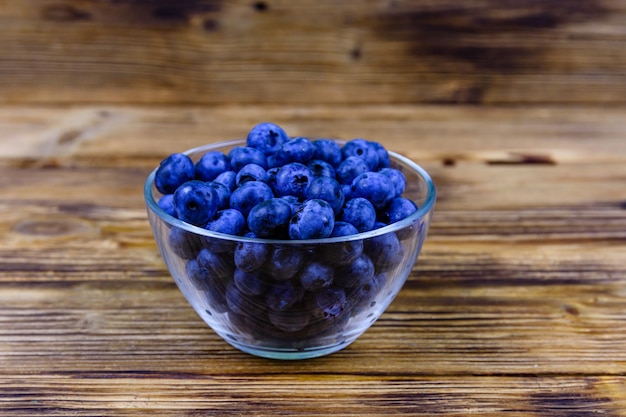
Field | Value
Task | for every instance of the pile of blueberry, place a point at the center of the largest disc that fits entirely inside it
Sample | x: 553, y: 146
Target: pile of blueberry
x: 277, y: 187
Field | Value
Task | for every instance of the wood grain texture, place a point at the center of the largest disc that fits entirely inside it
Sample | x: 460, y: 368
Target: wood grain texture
x: 280, y: 52
x: 517, y: 305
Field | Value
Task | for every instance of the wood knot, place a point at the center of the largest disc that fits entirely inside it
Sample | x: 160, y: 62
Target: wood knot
x: 50, y: 228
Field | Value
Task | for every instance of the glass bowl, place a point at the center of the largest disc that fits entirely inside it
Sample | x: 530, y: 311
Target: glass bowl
x: 268, y: 313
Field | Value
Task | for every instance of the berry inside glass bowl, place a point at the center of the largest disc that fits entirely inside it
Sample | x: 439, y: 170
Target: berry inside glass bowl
x: 289, y: 248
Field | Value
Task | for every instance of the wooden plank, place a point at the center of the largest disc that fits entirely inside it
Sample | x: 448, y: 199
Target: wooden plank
x: 279, y: 52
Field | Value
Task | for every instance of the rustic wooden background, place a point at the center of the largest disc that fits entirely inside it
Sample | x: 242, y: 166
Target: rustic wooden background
x: 517, y: 108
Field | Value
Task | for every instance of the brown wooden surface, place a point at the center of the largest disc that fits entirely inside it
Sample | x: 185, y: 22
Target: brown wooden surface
x: 517, y: 305
x: 313, y: 51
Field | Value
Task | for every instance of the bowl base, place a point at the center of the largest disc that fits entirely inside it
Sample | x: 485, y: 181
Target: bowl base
x: 290, y: 354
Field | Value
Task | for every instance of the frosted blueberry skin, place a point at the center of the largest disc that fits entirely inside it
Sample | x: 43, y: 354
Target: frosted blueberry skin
x: 320, y: 168
x: 314, y: 220
x: 195, y: 202
x: 328, y: 150
x: 295, y: 150
x: 266, y: 137
x: 173, y: 171
x: 184, y: 244
x: 398, y: 209
x: 166, y: 202
x: 342, y: 253
x: 210, y: 165
x: 250, y: 256
x: 316, y: 275
x: 243, y: 155
x: 356, y: 273
x: 397, y: 179
x: 360, y: 213
x: 223, y: 194
x: 251, y: 172
x: 383, y: 156
x: 248, y: 195
x: 363, y: 149
x: 350, y: 168
x: 282, y: 295
x: 269, y: 218
x: 293, y: 179
x: 228, y: 179
x: 329, y: 190
x: 374, y: 187
x: 250, y: 283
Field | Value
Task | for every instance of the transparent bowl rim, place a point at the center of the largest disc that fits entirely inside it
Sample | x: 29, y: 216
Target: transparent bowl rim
x: 421, y: 212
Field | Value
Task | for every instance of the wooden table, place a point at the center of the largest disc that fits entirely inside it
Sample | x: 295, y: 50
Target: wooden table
x: 517, y: 305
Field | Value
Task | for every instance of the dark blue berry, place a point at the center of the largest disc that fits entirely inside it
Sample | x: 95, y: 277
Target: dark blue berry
x: 166, y: 203
x: 250, y: 256
x: 315, y: 276
x: 219, y: 268
x: 183, y: 243
x: 375, y: 187
x: 251, y: 172
x: 350, y: 168
x: 284, y: 262
x: 386, y: 251
x: 295, y: 150
x: 397, y: 178
x: 173, y: 171
x: 195, y: 202
x: 266, y: 137
x: 293, y: 202
x: 314, y: 220
x: 383, y: 155
x: 223, y: 194
x: 228, y: 221
x: 242, y: 304
x: 228, y: 179
x: 210, y: 165
x: 360, y: 213
x: 269, y: 218
x: 329, y: 190
x: 292, y: 320
x: 330, y: 302
x: 359, y: 271
x: 241, y: 156
x: 282, y: 295
x: 398, y: 209
x: 342, y: 253
x: 328, y: 150
x: 250, y: 283
x: 320, y: 168
x: 363, y: 149
x: 250, y: 194
x: 293, y: 179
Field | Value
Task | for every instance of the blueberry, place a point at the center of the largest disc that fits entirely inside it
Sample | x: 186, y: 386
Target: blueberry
x: 347, y: 191
x: 250, y: 283
x: 360, y: 213
x: 202, y: 279
x: 320, y: 168
x: 197, y: 275
x: 284, y: 262
x: 183, y: 243
x: 292, y: 320
x: 386, y: 251
x: 397, y: 179
x: 293, y: 202
x: 298, y: 149
x: 243, y: 155
x: 359, y: 271
x: 218, y: 267
x: 173, y: 171
x: 314, y: 220
x: 210, y: 165
x: 195, y: 202
x: 228, y: 221
x: 251, y: 172
x: 227, y: 178
x: 242, y: 304
x: 293, y: 179
x: 166, y: 203
x: 266, y: 137
x: 363, y: 149
x: 383, y: 155
x: 330, y: 302
x: 250, y: 194
x: 375, y: 187
x: 271, y: 177
x: 250, y: 256
x: 329, y: 190
x: 350, y: 168
x: 328, y: 150
x: 363, y: 296
x: 223, y: 194
x: 398, y: 209
x: 342, y: 253
x: 315, y: 276
x: 282, y: 295
x: 269, y: 218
